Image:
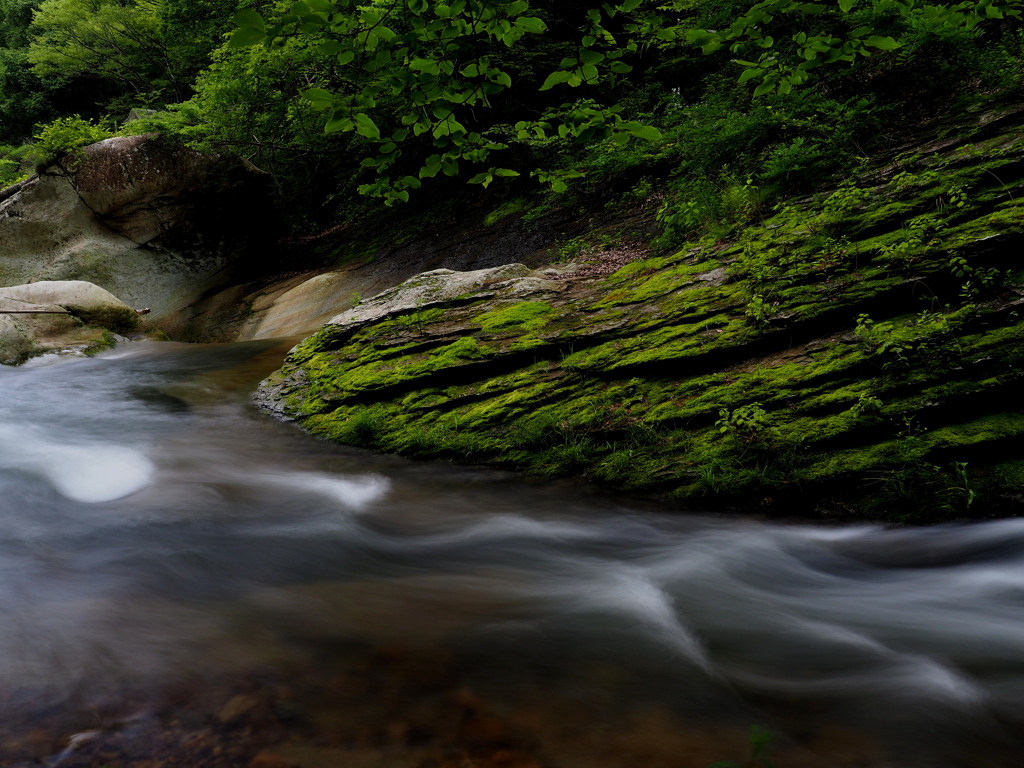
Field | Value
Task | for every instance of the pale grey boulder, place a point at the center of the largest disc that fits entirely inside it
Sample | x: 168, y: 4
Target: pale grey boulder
x: 70, y: 316
x: 87, y: 301
x: 516, y: 281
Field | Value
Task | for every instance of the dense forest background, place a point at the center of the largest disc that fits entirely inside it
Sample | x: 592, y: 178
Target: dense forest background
x: 711, y: 109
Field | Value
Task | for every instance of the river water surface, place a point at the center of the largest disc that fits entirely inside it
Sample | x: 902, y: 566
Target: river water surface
x: 178, y: 570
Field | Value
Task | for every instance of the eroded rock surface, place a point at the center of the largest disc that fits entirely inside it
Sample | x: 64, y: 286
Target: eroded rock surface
x: 149, y: 220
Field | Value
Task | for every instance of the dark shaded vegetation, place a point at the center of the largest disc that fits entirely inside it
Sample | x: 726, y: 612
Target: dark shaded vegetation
x: 723, y: 157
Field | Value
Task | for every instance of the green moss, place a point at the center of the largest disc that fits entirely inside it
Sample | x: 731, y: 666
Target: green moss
x: 522, y: 317
x: 505, y: 210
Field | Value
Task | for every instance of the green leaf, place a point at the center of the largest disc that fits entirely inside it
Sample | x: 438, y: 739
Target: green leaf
x: 882, y: 43
x: 245, y: 37
x: 345, y: 57
x: 629, y: 5
x: 329, y: 47
x: 765, y: 87
x: 366, y: 127
x: 531, y: 24
x: 641, y: 131
x: 846, y: 5
x: 250, y: 19
x: 321, y: 99
x: 338, y: 125
x: 504, y: 172
x: 750, y: 74
x: 554, y: 79
x: 621, y: 67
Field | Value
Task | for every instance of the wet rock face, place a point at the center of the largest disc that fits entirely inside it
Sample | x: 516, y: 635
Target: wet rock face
x: 155, y: 223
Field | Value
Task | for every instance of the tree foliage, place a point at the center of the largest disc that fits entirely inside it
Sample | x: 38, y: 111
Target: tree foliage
x: 791, y: 38
x: 384, y: 96
x: 428, y: 82
x: 152, y: 49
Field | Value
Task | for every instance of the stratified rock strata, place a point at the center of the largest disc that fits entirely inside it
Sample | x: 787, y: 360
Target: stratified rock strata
x: 855, y: 353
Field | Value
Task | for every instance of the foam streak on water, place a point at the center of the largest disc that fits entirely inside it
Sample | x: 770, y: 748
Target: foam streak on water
x: 150, y: 521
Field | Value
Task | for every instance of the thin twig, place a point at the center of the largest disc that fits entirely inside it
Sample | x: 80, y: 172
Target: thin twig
x: 34, y: 312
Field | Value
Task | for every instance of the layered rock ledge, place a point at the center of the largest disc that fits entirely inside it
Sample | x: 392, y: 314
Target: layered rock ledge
x: 856, y: 353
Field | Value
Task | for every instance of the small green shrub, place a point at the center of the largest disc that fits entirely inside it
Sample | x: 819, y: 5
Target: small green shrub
x: 166, y: 123
x: 10, y: 172
x: 794, y: 163
x: 365, y: 427
x: 867, y: 405
x: 13, y: 164
x: 66, y: 134
x: 748, y: 423
x: 758, y: 311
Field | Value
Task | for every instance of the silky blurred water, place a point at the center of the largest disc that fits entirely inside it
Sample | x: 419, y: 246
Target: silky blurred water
x: 152, y: 523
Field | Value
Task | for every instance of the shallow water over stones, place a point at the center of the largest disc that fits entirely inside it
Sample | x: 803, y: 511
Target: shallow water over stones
x: 186, y: 582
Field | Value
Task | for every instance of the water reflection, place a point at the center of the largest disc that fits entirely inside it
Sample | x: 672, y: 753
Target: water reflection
x: 155, y: 529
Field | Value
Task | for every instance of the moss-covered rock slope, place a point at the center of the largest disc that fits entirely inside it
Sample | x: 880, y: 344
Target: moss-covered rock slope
x: 858, y: 352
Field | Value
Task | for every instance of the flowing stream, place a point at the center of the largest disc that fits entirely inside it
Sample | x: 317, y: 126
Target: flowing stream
x: 160, y: 538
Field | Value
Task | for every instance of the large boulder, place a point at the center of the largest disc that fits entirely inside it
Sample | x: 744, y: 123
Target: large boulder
x: 87, y: 301
x: 153, y: 222
x: 60, y: 316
